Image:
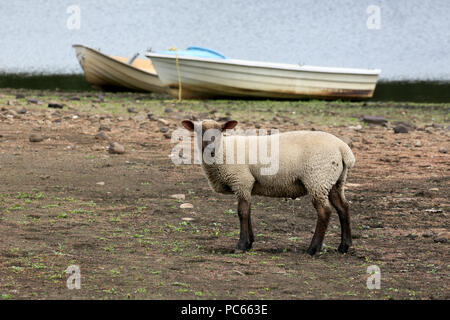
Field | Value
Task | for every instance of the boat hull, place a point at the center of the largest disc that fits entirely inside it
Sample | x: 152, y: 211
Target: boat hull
x: 114, y: 73
x: 211, y: 78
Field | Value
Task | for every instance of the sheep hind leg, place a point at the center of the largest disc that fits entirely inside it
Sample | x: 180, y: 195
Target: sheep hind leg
x: 337, y: 199
x: 246, y: 237
x: 323, y: 217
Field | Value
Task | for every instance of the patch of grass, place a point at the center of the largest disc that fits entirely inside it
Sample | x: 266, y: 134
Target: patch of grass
x: 230, y: 212
x: 16, y: 207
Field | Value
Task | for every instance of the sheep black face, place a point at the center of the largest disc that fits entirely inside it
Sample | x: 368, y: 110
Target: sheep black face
x: 202, y: 127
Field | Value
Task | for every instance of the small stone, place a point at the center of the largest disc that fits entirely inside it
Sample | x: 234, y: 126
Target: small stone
x: 131, y: 110
x: 427, y: 234
x: 101, y: 136
x: 412, y: 236
x: 442, y: 150
x: 163, y: 129
x: 186, y: 206
x: 22, y: 111
x: 189, y: 219
x: 116, y: 148
x: 55, y: 105
x: 374, y: 120
x: 141, y: 116
x: 20, y: 96
x: 101, y: 183
x: 358, y: 127
x: 163, y: 121
x: 400, y: 129
x: 168, y: 110
x: 178, y: 196
x: 409, y: 125
x: 36, y: 137
x: 104, y: 128
x: 440, y: 240
x: 34, y: 101
x: 418, y: 143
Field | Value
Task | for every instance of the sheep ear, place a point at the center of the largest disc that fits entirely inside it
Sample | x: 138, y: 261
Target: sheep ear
x: 229, y: 125
x: 188, y: 124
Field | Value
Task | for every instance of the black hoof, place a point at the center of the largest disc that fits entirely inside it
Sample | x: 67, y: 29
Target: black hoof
x: 311, y: 251
x: 243, y: 246
x: 343, y: 248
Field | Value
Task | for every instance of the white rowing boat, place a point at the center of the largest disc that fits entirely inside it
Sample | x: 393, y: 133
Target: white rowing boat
x: 117, y: 73
x: 212, y: 75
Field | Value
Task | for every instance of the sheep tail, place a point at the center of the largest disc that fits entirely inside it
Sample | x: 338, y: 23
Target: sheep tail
x: 347, y: 156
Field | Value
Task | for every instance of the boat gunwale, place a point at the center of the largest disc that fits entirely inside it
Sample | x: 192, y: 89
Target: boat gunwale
x: 114, y: 60
x: 270, y: 65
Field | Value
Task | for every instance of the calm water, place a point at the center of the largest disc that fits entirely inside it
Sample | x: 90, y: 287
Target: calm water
x: 412, y: 42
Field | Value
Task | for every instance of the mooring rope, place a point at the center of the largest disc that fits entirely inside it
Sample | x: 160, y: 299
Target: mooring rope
x: 177, y: 63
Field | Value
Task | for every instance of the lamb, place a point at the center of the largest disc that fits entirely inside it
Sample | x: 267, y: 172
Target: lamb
x: 310, y: 162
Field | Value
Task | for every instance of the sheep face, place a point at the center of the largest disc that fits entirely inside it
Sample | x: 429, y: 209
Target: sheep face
x: 202, y: 127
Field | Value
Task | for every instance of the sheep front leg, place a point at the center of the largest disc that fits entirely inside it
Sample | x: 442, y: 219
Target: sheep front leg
x: 246, y: 237
x: 323, y: 217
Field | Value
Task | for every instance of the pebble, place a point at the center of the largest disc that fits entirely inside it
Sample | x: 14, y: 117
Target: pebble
x: 116, y: 148
x: 186, y: 206
x: 101, y: 136
x: 163, y: 129
x: 22, y: 111
x: 442, y: 237
x: 412, y: 236
x: 442, y: 150
x: 418, y: 143
x: 101, y: 183
x: 141, y: 116
x: 104, y: 128
x: 400, y: 129
x: 55, y: 105
x: 163, y: 121
x: 131, y: 110
x: 356, y: 128
x: 34, y: 101
x: 168, y: 110
x: 178, y: 196
x: 187, y: 219
x: 36, y: 137
x: 374, y: 119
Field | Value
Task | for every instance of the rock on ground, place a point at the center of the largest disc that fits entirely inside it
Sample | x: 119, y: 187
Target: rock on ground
x: 116, y: 148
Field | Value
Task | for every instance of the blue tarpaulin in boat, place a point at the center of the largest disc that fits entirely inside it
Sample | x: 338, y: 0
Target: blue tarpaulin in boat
x: 196, y: 52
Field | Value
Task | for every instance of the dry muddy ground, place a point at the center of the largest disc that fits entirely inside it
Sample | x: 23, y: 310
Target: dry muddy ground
x: 66, y: 201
